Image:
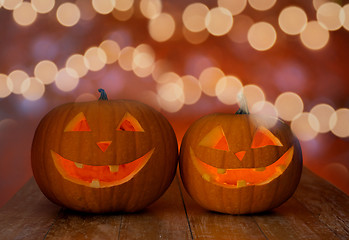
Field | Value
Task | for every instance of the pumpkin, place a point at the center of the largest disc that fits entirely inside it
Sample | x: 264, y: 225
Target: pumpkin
x: 104, y: 156
x: 240, y: 163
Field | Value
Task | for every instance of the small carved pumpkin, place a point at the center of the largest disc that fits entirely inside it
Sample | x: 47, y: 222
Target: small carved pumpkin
x: 232, y: 163
x: 103, y: 156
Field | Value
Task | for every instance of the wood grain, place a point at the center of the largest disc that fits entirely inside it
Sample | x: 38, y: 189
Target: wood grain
x: 28, y: 215
x: 329, y: 204
x: 317, y: 210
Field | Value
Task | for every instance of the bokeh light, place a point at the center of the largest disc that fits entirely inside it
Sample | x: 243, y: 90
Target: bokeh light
x: 218, y: 21
x: 77, y: 63
x: 292, y: 20
x: 305, y: 126
x: 66, y: 80
x: 123, y: 5
x: 5, y: 90
x: 339, y: 122
x: 227, y: 89
x: 261, y: 5
x: 314, y: 36
x: 111, y: 49
x: 143, y: 60
x: 123, y: 15
x: 253, y: 94
x: 162, y: 27
x: 150, y: 8
x: 126, y: 58
x: 15, y: 80
x: 209, y: 78
x: 345, y: 16
x: 43, y: 6
x: 95, y: 58
x: 103, y: 6
x: 24, y: 14
x: 328, y: 15
x: 46, y: 71
x: 261, y: 36
x: 318, y: 3
x: 323, y: 113
x: 11, y: 4
x: 289, y: 105
x: 235, y: 7
x: 266, y: 109
x: 191, y: 89
x: 194, y: 17
x: 32, y: 89
x: 68, y: 14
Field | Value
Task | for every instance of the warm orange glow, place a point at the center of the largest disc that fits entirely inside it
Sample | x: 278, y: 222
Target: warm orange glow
x: 215, y: 139
x: 24, y: 14
x: 162, y: 27
x: 235, y: 7
x: 292, y: 20
x: 68, y: 14
x: 103, y: 145
x: 241, y: 177
x: 315, y: 36
x: 129, y: 123
x: 261, y: 36
x: 194, y: 17
x: 219, y: 21
x: 262, y: 5
x: 263, y: 137
x: 99, y: 176
x: 240, y: 155
x: 78, y: 123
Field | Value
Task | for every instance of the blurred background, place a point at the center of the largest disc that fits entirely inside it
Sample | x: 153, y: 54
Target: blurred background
x: 186, y: 59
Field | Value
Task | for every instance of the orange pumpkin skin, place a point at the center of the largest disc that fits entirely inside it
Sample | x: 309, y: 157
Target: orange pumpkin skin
x: 217, y: 180
x: 106, y: 176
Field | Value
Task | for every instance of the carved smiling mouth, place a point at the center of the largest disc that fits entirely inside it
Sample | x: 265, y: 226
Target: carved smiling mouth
x: 236, y: 178
x: 99, y: 176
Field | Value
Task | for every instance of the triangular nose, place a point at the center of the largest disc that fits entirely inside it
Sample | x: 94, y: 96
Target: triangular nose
x: 103, y: 145
x: 240, y: 155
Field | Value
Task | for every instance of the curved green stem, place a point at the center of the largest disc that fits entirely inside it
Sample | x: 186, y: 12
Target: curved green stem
x: 103, y: 95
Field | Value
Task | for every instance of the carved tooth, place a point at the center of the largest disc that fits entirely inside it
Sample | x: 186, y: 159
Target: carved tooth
x: 114, y: 168
x: 206, y: 177
x: 241, y: 183
x: 78, y: 165
x: 221, y: 170
x: 281, y: 168
x: 260, y: 169
x: 95, y: 184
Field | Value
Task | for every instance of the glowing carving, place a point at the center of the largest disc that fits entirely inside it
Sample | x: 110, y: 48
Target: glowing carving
x: 78, y: 123
x: 263, y: 137
x: 215, y: 139
x: 129, y: 123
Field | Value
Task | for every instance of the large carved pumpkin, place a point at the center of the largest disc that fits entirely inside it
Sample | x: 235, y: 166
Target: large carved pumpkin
x: 234, y: 163
x: 104, y: 155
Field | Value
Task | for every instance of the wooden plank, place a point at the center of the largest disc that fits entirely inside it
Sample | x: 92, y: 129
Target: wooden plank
x: 327, y: 202
x: 165, y: 219
x: 205, y: 224
x: 292, y: 221
x: 72, y: 225
x: 28, y: 215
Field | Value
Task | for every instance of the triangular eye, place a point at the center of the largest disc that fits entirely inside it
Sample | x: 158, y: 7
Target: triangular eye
x: 215, y: 139
x: 78, y: 123
x: 129, y: 123
x: 263, y: 137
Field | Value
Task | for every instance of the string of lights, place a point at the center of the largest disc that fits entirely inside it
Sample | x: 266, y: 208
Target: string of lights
x: 172, y: 90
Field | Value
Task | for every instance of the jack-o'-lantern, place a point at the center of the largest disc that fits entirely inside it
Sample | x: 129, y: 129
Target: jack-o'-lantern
x: 240, y: 163
x: 104, y: 156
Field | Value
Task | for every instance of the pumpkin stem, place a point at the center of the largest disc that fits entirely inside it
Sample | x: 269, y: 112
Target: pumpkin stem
x: 243, y: 105
x: 103, y: 95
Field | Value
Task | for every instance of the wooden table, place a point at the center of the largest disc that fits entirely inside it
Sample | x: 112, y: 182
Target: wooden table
x: 318, y: 210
